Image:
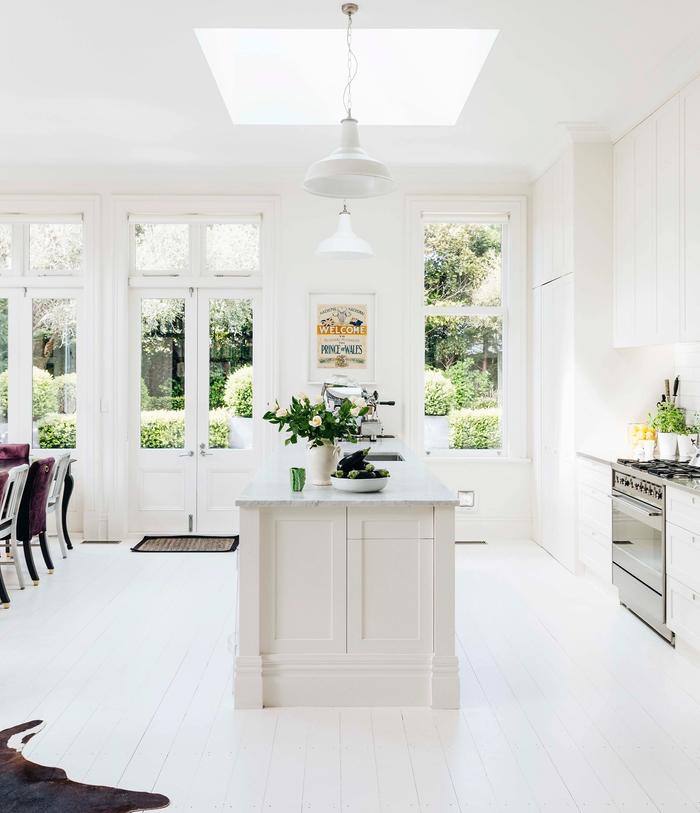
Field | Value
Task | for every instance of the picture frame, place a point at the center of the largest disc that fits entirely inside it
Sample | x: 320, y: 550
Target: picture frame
x: 341, y: 329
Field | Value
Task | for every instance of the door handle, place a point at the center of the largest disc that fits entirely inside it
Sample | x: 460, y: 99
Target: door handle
x: 203, y: 450
x: 190, y: 453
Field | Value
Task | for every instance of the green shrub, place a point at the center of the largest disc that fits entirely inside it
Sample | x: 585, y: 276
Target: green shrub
x: 145, y: 396
x: 57, y: 431
x: 218, y: 429
x: 471, y: 384
x: 238, y: 395
x: 217, y: 388
x: 66, y: 392
x: 3, y: 392
x: 162, y: 429
x: 166, y: 402
x: 439, y: 393
x: 484, y: 403
x: 44, y: 393
x: 475, y: 429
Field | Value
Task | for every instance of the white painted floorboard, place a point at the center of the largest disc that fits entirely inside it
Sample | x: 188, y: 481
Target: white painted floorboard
x: 568, y: 702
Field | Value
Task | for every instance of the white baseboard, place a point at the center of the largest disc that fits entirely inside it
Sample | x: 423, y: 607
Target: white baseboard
x: 476, y: 529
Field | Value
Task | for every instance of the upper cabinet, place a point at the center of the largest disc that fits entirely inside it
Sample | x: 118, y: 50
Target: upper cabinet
x: 647, y: 210
x: 552, y: 238
x: 690, y: 197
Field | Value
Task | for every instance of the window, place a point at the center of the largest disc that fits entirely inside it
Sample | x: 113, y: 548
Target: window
x: 195, y: 246
x: 40, y: 246
x: 5, y: 246
x: 472, y: 378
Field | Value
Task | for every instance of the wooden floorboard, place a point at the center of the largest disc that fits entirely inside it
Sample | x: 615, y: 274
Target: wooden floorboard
x: 568, y: 702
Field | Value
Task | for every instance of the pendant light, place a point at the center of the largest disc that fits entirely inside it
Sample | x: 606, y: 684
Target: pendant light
x: 344, y: 244
x: 348, y: 172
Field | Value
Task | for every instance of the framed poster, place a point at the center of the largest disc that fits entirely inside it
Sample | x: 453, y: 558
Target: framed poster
x: 341, y: 336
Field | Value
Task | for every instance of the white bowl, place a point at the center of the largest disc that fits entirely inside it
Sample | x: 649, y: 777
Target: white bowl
x: 359, y: 486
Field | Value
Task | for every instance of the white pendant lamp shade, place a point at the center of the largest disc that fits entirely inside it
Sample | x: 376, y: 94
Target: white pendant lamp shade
x: 344, y: 244
x: 348, y: 172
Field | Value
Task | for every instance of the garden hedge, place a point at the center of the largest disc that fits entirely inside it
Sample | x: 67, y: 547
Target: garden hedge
x: 238, y: 395
x: 439, y: 393
x: 475, y: 429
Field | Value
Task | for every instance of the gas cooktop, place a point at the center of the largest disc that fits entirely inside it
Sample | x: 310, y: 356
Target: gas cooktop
x: 668, y: 469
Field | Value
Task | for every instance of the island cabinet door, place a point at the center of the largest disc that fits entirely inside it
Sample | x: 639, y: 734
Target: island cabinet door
x: 303, y: 577
x: 390, y: 588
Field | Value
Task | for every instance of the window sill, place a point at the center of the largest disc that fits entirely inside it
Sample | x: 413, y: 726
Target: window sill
x: 457, y: 457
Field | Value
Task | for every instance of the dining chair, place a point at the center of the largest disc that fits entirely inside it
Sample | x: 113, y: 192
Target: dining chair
x: 12, y: 484
x: 32, y: 514
x: 14, y: 451
x: 54, y: 501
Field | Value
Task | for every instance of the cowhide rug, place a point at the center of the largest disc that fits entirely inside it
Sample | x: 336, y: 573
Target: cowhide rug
x: 26, y: 787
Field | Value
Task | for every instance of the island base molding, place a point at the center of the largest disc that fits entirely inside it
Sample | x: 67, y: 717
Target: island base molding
x: 346, y: 680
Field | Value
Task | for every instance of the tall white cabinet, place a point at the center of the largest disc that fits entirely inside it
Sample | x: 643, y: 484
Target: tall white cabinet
x: 554, y: 432
x: 657, y: 225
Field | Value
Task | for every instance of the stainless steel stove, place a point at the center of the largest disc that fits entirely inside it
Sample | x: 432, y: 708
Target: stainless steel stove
x: 639, y: 536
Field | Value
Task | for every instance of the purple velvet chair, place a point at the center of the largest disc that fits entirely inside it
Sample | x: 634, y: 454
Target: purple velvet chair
x: 32, y: 513
x: 4, y: 595
x: 14, y: 451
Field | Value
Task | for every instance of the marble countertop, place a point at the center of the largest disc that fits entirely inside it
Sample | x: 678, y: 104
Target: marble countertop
x: 411, y: 482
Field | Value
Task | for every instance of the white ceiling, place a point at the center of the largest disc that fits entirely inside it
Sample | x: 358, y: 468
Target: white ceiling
x: 126, y: 82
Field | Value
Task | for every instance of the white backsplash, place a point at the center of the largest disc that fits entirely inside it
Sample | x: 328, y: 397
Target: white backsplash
x: 687, y: 360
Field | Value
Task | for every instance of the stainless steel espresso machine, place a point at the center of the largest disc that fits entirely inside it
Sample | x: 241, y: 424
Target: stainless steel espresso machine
x: 340, y: 388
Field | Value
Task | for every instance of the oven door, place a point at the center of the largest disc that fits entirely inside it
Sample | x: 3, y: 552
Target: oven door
x: 638, y: 540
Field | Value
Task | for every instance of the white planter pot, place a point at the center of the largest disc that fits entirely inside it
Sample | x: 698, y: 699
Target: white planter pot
x: 240, y: 432
x: 686, y: 447
x: 667, y: 445
x: 437, y: 431
x: 322, y: 461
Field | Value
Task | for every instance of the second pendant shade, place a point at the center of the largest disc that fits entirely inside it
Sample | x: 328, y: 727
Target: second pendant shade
x: 344, y: 244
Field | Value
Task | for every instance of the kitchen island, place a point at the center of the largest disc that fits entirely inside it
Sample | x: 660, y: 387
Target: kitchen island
x: 346, y: 599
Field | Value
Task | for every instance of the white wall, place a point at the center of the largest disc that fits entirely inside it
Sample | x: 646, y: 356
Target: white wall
x: 687, y: 362
x: 304, y: 220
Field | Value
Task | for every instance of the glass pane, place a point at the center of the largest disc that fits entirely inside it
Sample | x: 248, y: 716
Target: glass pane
x: 462, y: 263
x: 230, y: 373
x: 5, y: 246
x: 3, y: 371
x: 55, y: 248
x: 162, y: 247
x: 462, y: 382
x: 233, y: 248
x: 162, y: 373
x: 54, y: 405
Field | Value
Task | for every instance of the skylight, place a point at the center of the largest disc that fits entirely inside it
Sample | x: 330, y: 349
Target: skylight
x: 296, y: 77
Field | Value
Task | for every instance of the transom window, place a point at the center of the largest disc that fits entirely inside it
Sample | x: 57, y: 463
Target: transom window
x: 195, y: 246
x: 41, y: 246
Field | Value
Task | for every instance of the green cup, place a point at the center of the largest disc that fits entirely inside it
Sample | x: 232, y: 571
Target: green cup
x: 297, y: 478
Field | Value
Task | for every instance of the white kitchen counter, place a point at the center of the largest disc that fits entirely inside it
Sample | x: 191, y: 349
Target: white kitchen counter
x: 410, y: 483
x: 346, y: 599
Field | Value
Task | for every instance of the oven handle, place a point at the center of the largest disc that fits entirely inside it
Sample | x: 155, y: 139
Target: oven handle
x: 627, y: 504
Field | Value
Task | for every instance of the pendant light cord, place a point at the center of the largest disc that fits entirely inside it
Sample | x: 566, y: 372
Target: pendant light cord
x: 352, y: 69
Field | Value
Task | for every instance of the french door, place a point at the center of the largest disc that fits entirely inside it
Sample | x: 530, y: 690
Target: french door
x: 192, y: 435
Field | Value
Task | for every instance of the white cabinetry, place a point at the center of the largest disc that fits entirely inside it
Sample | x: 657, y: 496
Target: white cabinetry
x: 554, y: 382
x: 683, y: 565
x: 690, y: 184
x: 552, y: 223
x: 594, y: 518
x: 648, y: 177
x: 647, y: 230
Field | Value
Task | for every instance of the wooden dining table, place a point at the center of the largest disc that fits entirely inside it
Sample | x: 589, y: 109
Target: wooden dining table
x: 68, y: 486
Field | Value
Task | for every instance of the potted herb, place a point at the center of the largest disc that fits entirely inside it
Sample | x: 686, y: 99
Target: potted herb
x: 321, y: 428
x: 687, y: 440
x: 669, y: 422
x: 438, y: 400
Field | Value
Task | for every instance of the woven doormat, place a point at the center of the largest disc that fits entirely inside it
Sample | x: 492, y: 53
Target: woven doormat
x: 186, y: 544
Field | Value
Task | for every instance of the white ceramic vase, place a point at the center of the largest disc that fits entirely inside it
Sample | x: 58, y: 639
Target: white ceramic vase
x: 686, y: 447
x: 667, y: 445
x: 322, y: 461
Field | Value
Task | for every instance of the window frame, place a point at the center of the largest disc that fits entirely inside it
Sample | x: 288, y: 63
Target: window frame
x: 510, y: 212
